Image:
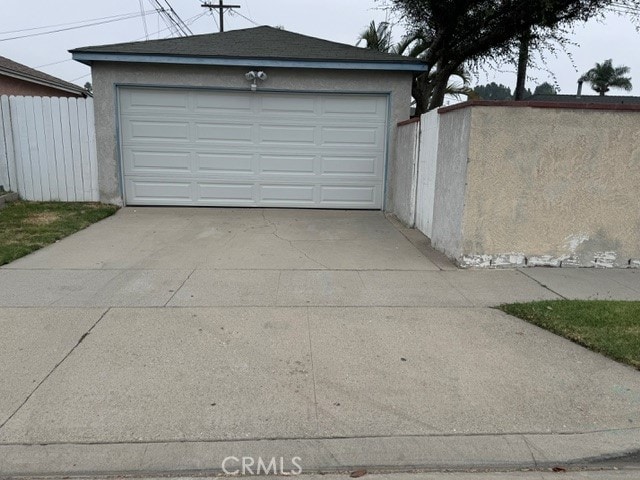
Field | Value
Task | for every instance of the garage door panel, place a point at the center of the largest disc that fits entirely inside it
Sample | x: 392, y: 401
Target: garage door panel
x: 349, y: 166
x: 153, y: 162
x: 225, y: 193
x: 287, y: 164
x: 287, y: 105
x: 245, y: 148
x: 158, y: 192
x: 345, y: 194
x: 223, y: 133
x: 229, y: 103
x: 287, y: 135
x: 282, y: 194
x: 354, y: 137
x: 360, y: 107
x: 136, y: 100
x: 212, y: 163
x: 156, y: 131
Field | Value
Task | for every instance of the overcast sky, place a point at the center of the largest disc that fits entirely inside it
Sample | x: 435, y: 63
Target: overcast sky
x: 336, y: 20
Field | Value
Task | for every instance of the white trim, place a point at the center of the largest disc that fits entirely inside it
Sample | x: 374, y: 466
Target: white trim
x: 88, y: 57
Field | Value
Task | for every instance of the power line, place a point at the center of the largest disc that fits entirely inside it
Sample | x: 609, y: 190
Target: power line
x: 221, y: 8
x: 144, y: 20
x: 247, y: 18
x: 53, y: 63
x: 188, y: 21
x: 171, y: 18
x: 68, y: 23
x: 71, y: 28
x: 185, y: 29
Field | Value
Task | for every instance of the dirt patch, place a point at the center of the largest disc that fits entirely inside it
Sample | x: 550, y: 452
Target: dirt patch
x: 44, y: 218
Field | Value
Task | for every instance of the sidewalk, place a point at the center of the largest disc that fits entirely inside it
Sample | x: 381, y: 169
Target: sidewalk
x: 152, y: 362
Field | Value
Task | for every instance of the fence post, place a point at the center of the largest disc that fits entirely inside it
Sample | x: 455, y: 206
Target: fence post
x: 7, y: 155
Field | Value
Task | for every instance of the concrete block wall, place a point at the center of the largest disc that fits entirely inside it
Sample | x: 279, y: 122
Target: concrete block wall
x: 524, y: 185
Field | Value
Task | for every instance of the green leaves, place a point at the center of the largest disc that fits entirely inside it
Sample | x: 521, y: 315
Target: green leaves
x: 604, y: 76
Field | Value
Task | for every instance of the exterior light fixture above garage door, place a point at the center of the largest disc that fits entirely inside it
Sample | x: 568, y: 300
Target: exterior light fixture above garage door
x: 253, y: 77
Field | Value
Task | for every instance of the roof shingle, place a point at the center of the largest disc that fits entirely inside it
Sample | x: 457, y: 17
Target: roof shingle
x: 10, y: 67
x: 256, y: 43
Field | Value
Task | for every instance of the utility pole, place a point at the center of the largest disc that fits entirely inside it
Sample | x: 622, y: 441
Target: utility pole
x: 220, y: 7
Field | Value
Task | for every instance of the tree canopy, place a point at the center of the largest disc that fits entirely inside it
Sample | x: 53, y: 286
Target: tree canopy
x: 466, y: 31
x: 545, y: 89
x: 605, y: 76
x: 493, y: 91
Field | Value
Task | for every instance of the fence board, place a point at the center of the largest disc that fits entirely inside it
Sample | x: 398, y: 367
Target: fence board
x: 21, y: 140
x: 34, y: 131
x: 67, y: 152
x: 84, y: 151
x: 48, y: 148
x: 48, y: 156
x: 56, y: 133
x: 76, y: 149
x: 6, y: 146
x: 93, y: 154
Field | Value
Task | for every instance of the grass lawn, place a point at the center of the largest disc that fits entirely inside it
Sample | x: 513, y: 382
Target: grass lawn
x: 28, y: 226
x: 608, y: 327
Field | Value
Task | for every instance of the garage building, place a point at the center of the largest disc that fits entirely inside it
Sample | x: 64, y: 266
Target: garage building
x: 254, y: 117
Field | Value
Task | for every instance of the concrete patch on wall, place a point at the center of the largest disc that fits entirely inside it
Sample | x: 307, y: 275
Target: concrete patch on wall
x: 514, y: 260
x: 605, y: 259
x: 493, y: 261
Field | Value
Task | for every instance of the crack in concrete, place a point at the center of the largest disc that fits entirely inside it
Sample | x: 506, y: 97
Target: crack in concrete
x: 313, y: 373
x: 55, y: 367
x: 179, y: 288
x: 290, y: 242
x: 533, y: 457
x: 541, y: 284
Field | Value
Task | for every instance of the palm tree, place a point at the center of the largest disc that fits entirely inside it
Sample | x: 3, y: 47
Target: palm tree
x: 604, y: 76
x: 378, y: 37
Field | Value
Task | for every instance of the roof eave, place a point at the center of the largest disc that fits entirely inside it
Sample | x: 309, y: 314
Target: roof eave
x: 29, y: 78
x: 89, y: 57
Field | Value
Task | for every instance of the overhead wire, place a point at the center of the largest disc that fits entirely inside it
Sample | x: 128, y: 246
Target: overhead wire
x: 188, y: 21
x: 144, y: 19
x: 49, y: 32
x: 68, y: 23
x: 245, y: 17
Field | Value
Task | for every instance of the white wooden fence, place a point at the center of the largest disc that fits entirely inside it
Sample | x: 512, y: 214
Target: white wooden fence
x: 48, y: 148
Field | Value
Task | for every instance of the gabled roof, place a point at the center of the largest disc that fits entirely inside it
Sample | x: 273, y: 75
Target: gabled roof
x: 266, y: 45
x: 17, y: 70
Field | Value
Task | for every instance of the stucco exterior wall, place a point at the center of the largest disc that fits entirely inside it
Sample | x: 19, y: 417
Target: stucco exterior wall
x: 15, y: 86
x: 402, y: 174
x: 450, y: 187
x: 547, y: 186
x: 107, y: 75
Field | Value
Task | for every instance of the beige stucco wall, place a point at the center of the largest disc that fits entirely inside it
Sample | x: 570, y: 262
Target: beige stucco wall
x: 550, y: 186
x: 451, y: 182
x: 107, y: 75
x: 402, y: 174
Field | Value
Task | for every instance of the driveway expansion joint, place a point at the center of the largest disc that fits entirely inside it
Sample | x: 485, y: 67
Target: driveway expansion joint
x: 178, y: 289
x: 520, y: 270
x: 55, y: 367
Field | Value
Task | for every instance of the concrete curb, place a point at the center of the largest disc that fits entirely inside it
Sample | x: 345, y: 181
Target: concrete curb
x: 430, y: 453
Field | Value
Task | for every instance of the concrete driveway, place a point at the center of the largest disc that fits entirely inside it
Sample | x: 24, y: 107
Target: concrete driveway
x: 167, y: 339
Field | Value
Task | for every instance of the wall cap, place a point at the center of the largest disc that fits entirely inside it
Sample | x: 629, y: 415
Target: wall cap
x: 536, y: 104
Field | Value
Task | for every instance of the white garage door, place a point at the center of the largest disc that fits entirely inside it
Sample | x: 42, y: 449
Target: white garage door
x: 224, y: 148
